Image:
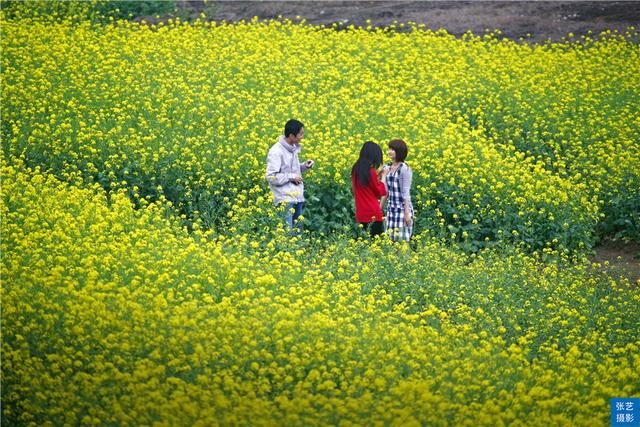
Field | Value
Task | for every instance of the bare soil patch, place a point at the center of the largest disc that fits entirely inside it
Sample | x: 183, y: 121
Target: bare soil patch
x: 535, y: 21
x: 619, y: 259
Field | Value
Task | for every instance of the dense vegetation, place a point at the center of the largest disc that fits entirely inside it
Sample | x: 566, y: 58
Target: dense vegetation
x: 147, y: 278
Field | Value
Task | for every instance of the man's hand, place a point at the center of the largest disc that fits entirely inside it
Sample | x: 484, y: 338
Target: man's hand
x: 309, y: 164
x: 297, y: 180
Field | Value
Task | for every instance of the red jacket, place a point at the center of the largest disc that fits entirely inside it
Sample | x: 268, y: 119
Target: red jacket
x: 368, y: 198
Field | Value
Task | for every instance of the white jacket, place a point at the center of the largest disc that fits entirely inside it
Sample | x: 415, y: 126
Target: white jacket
x: 283, y: 166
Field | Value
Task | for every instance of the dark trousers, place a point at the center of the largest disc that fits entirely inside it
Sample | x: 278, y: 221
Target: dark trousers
x: 375, y: 228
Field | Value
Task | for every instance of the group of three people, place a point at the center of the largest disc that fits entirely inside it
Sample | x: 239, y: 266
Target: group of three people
x: 374, y: 184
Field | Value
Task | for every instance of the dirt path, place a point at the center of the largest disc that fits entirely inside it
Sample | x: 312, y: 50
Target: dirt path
x: 536, y: 21
x: 620, y: 259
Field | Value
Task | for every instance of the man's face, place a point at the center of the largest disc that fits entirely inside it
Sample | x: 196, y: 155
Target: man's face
x: 299, y: 136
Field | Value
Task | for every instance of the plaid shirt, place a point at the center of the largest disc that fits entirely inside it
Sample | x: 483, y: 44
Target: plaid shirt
x: 396, y: 228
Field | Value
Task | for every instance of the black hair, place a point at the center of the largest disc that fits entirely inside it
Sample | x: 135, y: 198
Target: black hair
x: 400, y: 148
x: 292, y: 127
x: 370, y: 156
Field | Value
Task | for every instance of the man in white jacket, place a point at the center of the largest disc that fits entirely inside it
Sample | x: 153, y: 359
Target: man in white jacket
x: 284, y: 173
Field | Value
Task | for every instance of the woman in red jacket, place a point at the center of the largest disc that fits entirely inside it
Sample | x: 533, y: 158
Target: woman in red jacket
x: 369, y: 187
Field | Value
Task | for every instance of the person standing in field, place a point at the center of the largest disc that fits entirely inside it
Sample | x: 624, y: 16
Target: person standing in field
x: 398, y: 180
x: 284, y: 174
x: 368, y: 188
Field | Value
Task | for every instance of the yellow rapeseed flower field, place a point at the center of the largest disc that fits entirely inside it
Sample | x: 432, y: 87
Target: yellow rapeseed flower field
x: 116, y: 315
x: 146, y: 278
x: 535, y: 145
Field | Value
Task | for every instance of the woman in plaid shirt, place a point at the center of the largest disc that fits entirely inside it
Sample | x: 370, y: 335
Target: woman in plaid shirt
x: 398, y: 179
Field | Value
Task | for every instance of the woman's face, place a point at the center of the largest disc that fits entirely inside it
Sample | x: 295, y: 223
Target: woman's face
x: 392, y: 154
